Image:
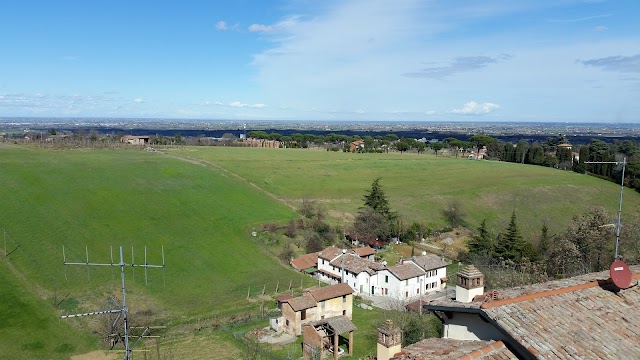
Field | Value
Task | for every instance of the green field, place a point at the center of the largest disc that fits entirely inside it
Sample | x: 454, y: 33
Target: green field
x: 28, y: 329
x: 420, y: 186
x: 202, y: 203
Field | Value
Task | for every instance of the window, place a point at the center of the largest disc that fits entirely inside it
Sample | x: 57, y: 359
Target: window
x: 322, y: 261
x: 418, y: 291
x: 303, y: 314
x: 322, y: 304
x: 406, y: 294
x: 344, y: 299
x: 406, y: 282
x: 287, y: 322
x: 433, y: 285
x: 344, y: 312
x: 386, y: 278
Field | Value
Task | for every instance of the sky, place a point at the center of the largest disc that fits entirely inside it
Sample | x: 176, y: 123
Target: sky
x: 355, y: 60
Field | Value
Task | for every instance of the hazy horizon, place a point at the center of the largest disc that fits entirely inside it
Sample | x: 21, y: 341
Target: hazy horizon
x: 335, y: 60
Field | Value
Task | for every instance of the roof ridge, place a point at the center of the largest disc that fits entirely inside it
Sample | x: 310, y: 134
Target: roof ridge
x: 484, y: 351
x: 546, y: 293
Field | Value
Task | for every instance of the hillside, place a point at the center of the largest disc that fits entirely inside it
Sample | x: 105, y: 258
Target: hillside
x: 202, y: 203
x: 99, y: 199
x: 420, y: 186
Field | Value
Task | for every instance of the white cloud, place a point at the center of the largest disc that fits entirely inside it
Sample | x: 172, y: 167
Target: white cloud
x: 238, y: 104
x: 138, y: 100
x: 261, y: 28
x: 600, y: 28
x: 474, y: 108
x: 222, y: 25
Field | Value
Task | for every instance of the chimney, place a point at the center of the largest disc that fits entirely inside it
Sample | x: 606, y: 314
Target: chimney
x: 469, y: 284
x: 389, y: 340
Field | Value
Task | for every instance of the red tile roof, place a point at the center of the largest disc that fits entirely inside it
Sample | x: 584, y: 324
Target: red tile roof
x: 283, y: 298
x: 306, y: 261
x: 356, y: 264
x: 302, y: 302
x: 441, y: 349
x: 330, y: 253
x: 331, y: 292
x: 428, y: 262
x: 583, y: 317
x: 406, y: 271
x: 365, y: 251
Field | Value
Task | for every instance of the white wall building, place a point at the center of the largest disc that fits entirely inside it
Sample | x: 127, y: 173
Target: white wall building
x: 413, y: 277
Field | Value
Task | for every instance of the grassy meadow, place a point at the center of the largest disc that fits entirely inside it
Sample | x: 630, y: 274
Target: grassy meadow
x: 99, y: 199
x: 27, y: 327
x: 201, y: 204
x: 420, y: 186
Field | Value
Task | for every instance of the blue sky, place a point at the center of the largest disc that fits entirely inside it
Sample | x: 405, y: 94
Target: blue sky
x: 490, y: 60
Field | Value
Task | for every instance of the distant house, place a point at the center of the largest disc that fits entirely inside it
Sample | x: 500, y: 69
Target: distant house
x: 356, y: 146
x: 316, y: 304
x: 366, y: 253
x: 57, y: 138
x: 306, y: 263
x: 565, y: 146
x: 135, y: 140
x: 475, y: 154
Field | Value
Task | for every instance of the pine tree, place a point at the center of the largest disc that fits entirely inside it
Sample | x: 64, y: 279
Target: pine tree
x: 376, y: 200
x: 511, y: 245
x: 543, y: 244
x: 481, y: 242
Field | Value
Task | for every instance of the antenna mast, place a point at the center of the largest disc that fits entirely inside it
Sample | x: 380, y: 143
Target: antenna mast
x: 123, y: 310
x: 624, y: 164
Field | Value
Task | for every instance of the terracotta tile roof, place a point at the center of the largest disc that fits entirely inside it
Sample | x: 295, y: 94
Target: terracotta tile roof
x: 428, y: 262
x: 306, y: 261
x: 406, y: 271
x: 470, y: 271
x: 365, y: 251
x: 331, y: 292
x: 302, y: 302
x: 331, y: 253
x: 283, y: 298
x: 339, y: 324
x: 581, y: 317
x: 437, y: 348
x: 356, y: 264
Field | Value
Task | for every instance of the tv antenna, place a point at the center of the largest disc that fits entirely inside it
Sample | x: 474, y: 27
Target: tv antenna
x: 624, y: 164
x: 123, y: 311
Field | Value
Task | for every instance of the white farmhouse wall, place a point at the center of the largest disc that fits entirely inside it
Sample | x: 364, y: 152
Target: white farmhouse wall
x: 463, y: 326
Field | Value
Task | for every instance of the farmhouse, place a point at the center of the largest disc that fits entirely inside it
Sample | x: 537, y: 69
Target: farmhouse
x: 356, y: 146
x: 413, y: 277
x: 306, y: 263
x: 135, y: 140
x: 584, y: 317
x: 316, y: 304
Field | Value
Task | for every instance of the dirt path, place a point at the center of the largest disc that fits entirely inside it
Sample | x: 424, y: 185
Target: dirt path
x: 215, y: 166
x: 96, y: 355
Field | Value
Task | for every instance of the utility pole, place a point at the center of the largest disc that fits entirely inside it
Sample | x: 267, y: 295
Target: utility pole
x: 624, y: 164
x: 123, y: 311
x: 344, y: 252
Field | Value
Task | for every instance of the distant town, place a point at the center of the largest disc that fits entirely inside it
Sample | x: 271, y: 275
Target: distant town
x: 577, y: 133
